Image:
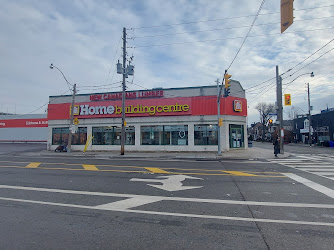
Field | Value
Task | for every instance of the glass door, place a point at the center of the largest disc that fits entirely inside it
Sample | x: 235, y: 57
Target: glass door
x: 236, y: 136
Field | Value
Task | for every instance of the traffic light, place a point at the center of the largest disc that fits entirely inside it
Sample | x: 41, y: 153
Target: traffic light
x: 220, y: 123
x: 227, y: 84
x: 287, y: 99
x: 270, y: 121
x: 286, y: 14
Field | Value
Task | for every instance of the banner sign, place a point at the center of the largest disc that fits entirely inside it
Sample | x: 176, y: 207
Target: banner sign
x: 24, y: 123
x: 179, y: 106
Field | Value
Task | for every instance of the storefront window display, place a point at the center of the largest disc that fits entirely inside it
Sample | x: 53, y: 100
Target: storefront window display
x: 206, y: 134
x: 112, y: 135
x: 60, y: 136
x: 80, y: 138
x: 164, y: 135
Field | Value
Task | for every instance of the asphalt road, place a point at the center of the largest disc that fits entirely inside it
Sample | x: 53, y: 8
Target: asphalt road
x: 85, y: 203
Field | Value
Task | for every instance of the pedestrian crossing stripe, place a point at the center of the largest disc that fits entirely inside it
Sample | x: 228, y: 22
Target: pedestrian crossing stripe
x: 310, y: 164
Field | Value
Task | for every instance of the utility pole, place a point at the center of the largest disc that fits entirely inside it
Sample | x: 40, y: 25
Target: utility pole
x: 309, y: 115
x: 71, y: 120
x: 279, y: 109
x: 123, y: 92
x: 218, y: 115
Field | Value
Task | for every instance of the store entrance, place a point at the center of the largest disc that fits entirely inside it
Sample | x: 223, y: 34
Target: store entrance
x: 236, y: 136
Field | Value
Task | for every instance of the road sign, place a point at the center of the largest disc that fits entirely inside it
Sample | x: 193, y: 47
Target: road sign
x: 170, y: 183
x: 73, y: 129
x: 76, y: 121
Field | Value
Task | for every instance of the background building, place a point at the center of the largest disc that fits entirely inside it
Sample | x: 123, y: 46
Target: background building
x: 23, y: 128
x: 322, y: 127
x: 175, y: 119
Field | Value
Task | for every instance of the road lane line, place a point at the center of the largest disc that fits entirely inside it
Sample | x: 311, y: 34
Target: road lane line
x: 90, y: 167
x: 239, y: 173
x: 199, y: 200
x: 320, y: 188
x: 157, y: 170
x: 33, y: 165
x: 216, y: 217
x: 129, y: 203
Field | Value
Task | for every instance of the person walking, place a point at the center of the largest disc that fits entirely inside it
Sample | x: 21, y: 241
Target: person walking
x: 276, y: 147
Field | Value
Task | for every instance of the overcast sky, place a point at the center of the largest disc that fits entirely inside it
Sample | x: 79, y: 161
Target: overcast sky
x: 179, y: 43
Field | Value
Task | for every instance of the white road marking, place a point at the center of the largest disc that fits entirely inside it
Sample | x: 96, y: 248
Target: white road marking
x: 165, y: 198
x: 130, y: 203
x: 314, y: 164
x: 320, y: 188
x: 176, y: 214
x: 170, y: 183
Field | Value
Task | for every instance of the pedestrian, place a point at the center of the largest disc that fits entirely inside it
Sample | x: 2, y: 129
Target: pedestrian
x: 276, y: 146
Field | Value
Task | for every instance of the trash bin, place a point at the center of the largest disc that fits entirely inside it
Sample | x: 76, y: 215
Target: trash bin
x: 250, y: 144
x: 331, y: 144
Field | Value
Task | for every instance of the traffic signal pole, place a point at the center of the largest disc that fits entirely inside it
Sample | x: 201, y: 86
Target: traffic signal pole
x: 123, y: 92
x: 69, y: 144
x: 218, y: 116
x: 279, y: 109
x: 309, y: 115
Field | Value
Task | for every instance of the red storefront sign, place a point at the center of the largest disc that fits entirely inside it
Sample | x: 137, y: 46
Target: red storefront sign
x: 199, y: 105
x: 24, y: 123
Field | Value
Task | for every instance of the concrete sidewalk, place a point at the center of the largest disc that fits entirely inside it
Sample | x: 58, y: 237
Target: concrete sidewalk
x: 240, y: 154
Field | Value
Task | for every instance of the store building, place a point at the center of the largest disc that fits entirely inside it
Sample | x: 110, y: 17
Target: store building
x: 23, y: 128
x: 173, y: 119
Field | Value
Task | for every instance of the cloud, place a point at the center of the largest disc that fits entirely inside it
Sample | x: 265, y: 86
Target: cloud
x: 83, y: 37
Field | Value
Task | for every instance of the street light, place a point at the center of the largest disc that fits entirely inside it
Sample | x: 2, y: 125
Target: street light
x: 72, y: 108
x: 287, y: 84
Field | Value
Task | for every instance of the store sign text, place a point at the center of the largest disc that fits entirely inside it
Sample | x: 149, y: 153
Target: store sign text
x: 131, y: 109
x: 128, y: 95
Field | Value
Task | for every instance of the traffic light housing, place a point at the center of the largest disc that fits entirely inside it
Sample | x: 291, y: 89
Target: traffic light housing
x: 270, y: 121
x: 220, y: 123
x: 286, y: 14
x: 227, y: 84
x: 287, y: 99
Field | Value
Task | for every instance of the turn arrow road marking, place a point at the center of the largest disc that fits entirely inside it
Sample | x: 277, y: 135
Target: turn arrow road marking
x: 170, y: 183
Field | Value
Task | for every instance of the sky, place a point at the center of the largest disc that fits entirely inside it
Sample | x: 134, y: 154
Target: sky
x: 175, y: 43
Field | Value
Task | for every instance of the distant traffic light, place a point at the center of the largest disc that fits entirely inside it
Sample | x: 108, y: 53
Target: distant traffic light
x: 220, y: 123
x: 227, y: 84
x: 287, y: 99
x: 270, y: 121
x: 286, y: 14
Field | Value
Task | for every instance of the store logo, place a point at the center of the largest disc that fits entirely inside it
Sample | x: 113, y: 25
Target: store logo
x: 92, y: 110
x: 2, y: 124
x: 86, y: 109
x: 96, y: 110
x: 237, y: 105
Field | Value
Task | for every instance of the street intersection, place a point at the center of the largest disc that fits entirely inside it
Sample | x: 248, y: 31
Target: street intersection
x: 67, y: 202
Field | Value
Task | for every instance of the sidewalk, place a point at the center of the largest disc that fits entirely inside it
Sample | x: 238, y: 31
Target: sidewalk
x: 236, y: 154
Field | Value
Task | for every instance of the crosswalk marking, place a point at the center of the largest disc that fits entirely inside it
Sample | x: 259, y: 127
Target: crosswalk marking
x: 316, y: 164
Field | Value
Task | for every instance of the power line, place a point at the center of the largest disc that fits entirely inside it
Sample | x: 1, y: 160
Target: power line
x: 307, y: 58
x: 236, y: 27
x: 312, y: 61
x: 220, y: 19
x: 222, y: 39
x: 258, y: 12
x: 97, y: 86
x: 119, y: 42
x: 272, y: 84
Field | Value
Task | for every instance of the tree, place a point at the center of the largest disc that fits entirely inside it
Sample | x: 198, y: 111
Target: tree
x: 264, y: 109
